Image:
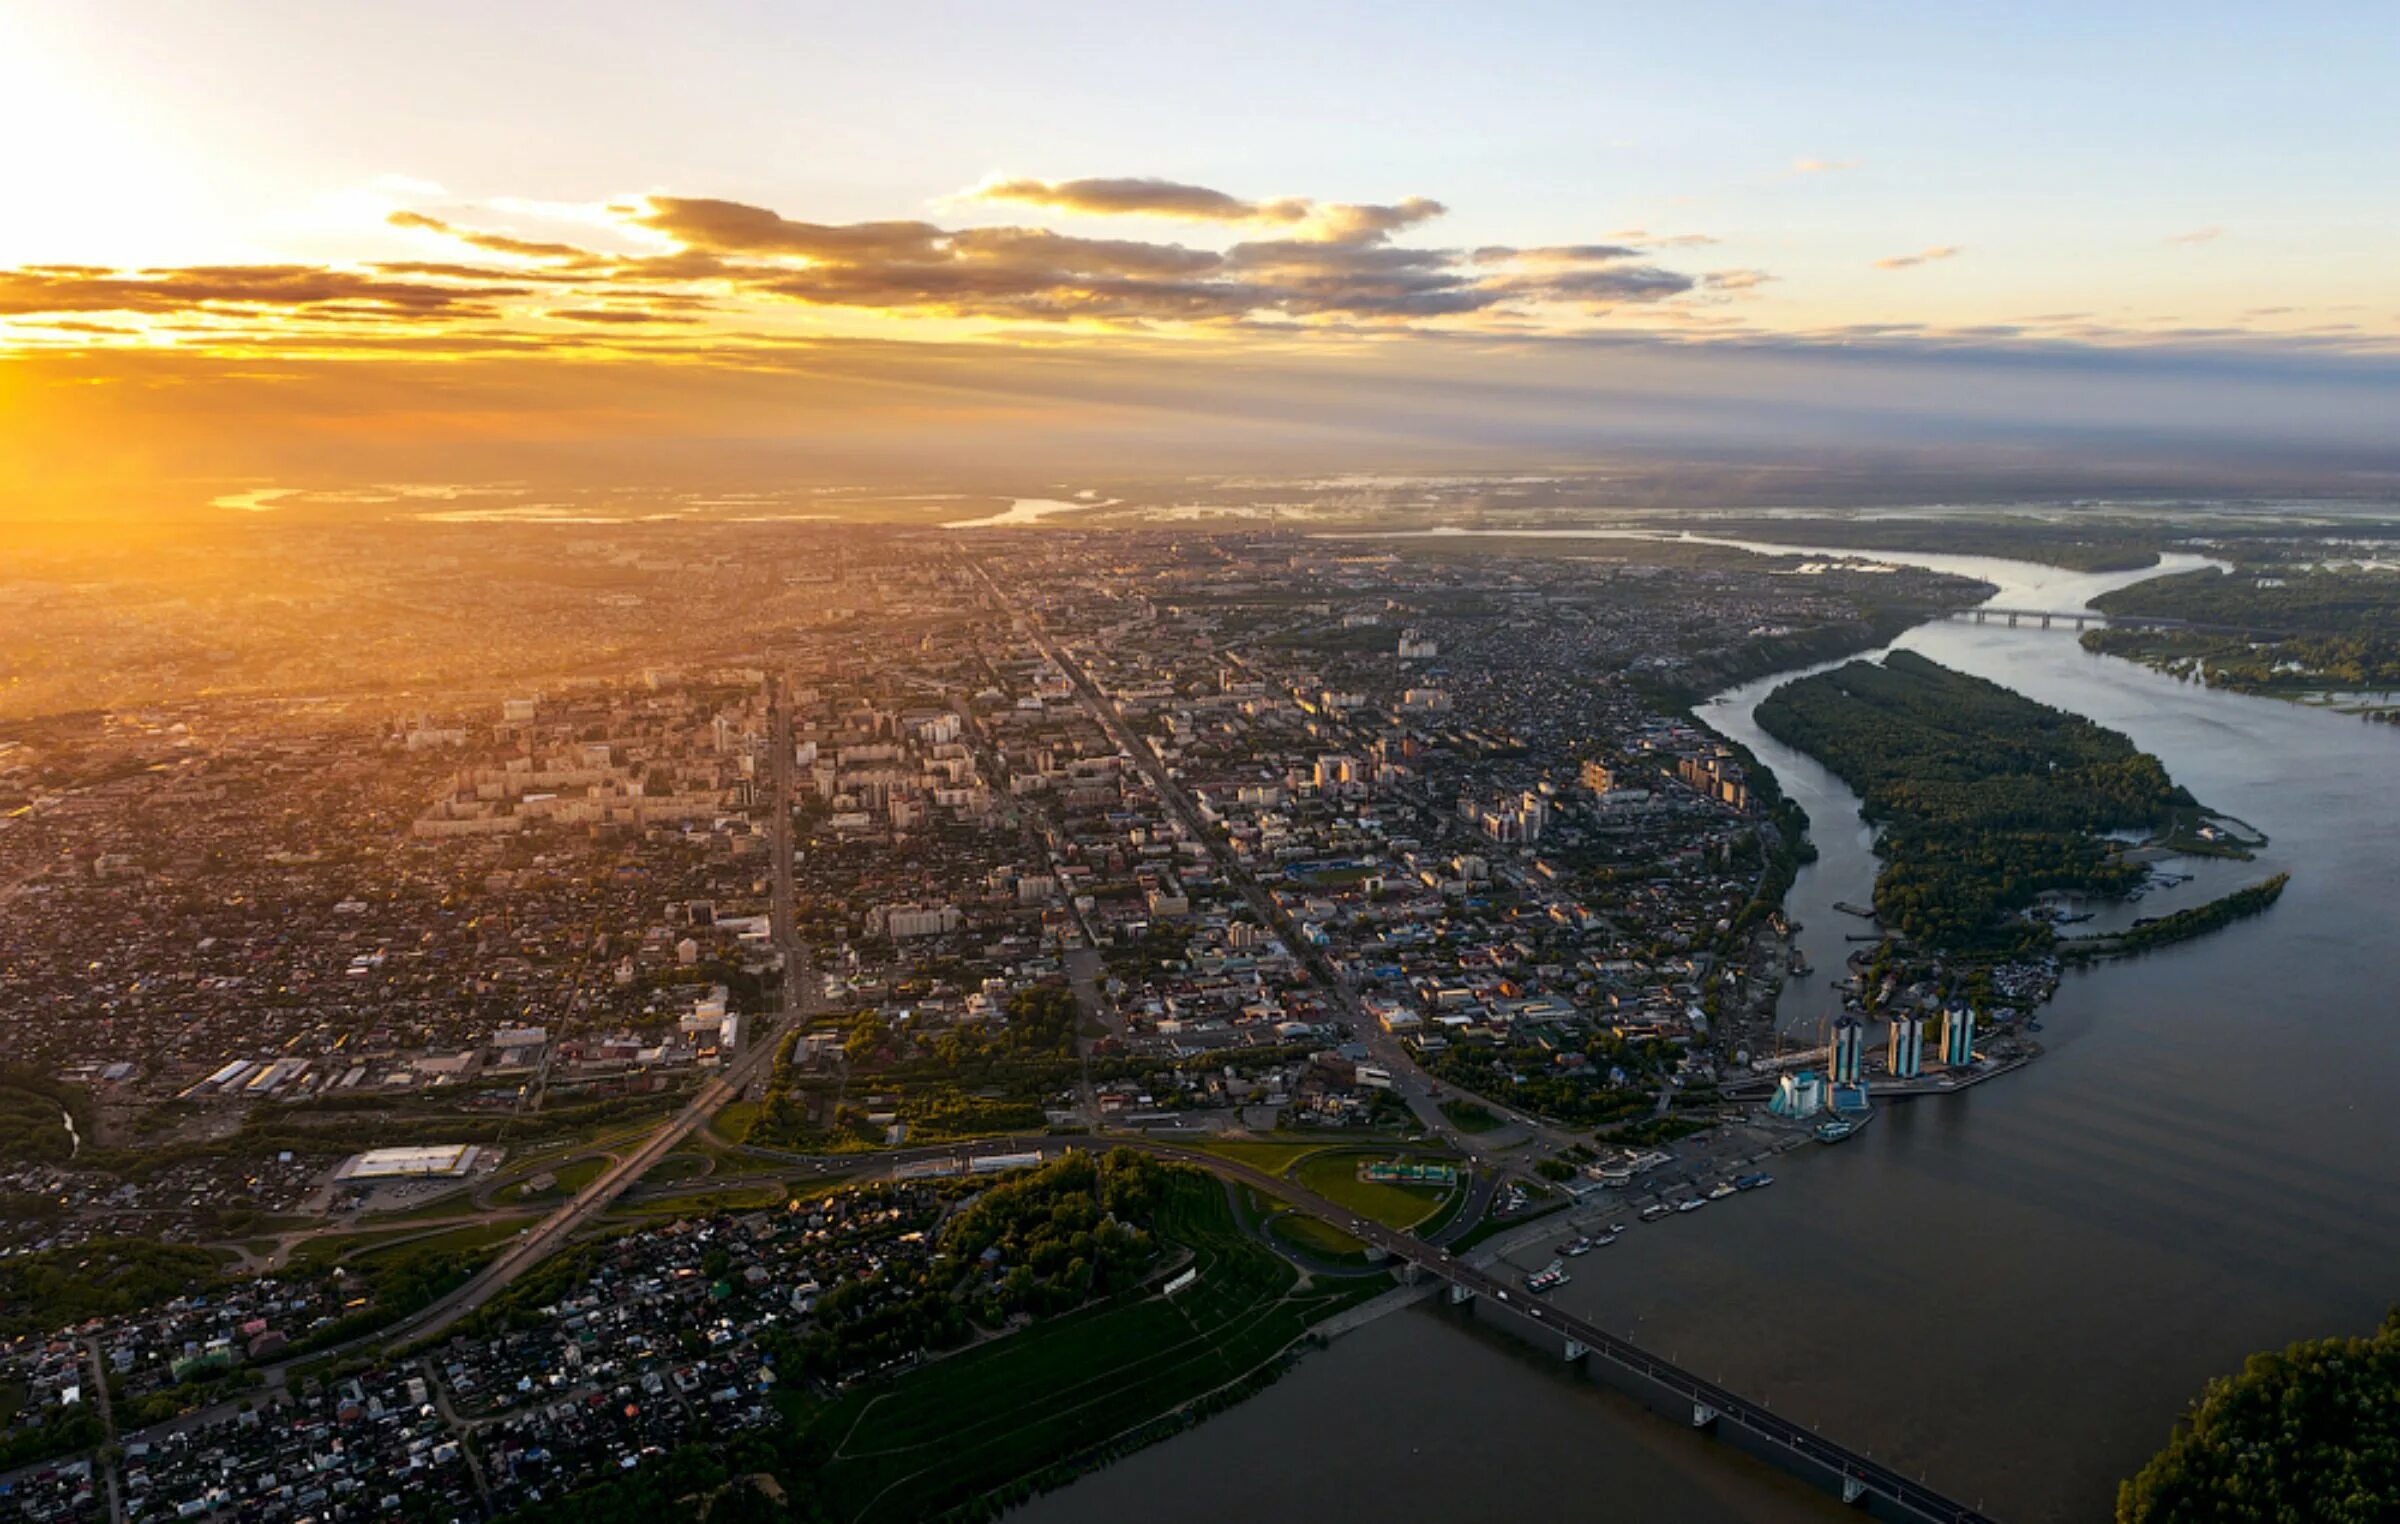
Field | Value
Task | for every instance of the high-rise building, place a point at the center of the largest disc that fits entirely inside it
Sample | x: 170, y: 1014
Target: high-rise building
x: 1958, y: 1037
x: 1848, y: 1053
x: 1906, y: 1055
x: 1798, y: 1096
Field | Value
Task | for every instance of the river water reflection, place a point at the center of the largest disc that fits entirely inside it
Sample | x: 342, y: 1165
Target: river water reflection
x: 2013, y: 1291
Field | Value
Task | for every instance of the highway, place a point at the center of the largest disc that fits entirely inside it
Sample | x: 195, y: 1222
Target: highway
x: 546, y: 1236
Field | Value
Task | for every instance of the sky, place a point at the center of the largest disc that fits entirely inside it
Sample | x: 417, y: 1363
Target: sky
x: 262, y: 240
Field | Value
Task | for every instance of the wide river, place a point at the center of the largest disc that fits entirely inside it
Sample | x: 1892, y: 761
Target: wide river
x: 2014, y: 1291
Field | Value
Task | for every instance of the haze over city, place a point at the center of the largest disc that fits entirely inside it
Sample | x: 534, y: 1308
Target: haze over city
x: 779, y: 763
x: 2154, y: 243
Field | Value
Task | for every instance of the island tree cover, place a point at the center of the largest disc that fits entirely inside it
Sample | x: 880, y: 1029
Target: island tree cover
x: 2311, y: 1433
x: 1987, y: 799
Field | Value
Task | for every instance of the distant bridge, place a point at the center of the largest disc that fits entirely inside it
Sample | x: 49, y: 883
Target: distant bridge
x: 2078, y: 619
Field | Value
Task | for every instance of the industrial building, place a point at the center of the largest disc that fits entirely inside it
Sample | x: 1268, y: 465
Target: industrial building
x: 441, y: 1161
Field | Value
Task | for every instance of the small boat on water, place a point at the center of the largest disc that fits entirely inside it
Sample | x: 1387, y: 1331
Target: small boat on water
x: 1752, y: 1182
x: 1575, y: 1248
x: 1692, y: 1205
x: 1834, y: 1131
x: 1547, y: 1279
x: 1655, y: 1210
x: 1721, y: 1190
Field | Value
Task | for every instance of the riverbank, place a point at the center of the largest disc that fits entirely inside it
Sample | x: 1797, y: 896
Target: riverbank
x: 2187, y: 1177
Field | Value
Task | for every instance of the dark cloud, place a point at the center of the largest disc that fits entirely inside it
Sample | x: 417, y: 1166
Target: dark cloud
x: 733, y: 227
x: 624, y: 315
x: 492, y: 243
x: 1138, y: 196
x: 1339, y: 263
x: 1035, y: 249
x: 442, y: 270
x: 1327, y: 265
x: 1605, y: 286
x: 1345, y: 223
x: 1563, y: 254
x: 235, y: 287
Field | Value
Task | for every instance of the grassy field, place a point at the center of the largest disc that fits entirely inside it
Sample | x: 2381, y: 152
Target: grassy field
x: 474, y: 1236
x: 1334, y: 1176
x: 733, y: 1121
x: 1274, y: 1156
x: 969, y: 1425
x: 1312, y: 1236
x: 570, y: 1179
x: 677, y: 1168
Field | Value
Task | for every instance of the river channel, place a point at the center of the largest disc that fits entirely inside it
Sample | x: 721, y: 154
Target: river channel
x: 2014, y: 1290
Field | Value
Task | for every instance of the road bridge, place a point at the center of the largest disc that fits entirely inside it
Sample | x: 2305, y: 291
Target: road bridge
x: 1854, y: 1477
x: 1851, y: 1475
x: 2078, y: 619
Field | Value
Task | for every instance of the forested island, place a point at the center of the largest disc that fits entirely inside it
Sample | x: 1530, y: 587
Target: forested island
x: 2311, y: 1432
x: 2301, y: 631
x: 1986, y: 799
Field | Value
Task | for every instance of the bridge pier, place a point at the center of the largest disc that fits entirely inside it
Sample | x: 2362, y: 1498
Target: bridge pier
x: 1854, y: 1491
x: 1576, y: 1351
x: 1460, y: 1295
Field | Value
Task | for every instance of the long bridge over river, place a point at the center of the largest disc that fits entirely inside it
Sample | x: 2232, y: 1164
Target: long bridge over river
x: 1848, y: 1474
x: 2077, y: 619
x: 1855, y: 1478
